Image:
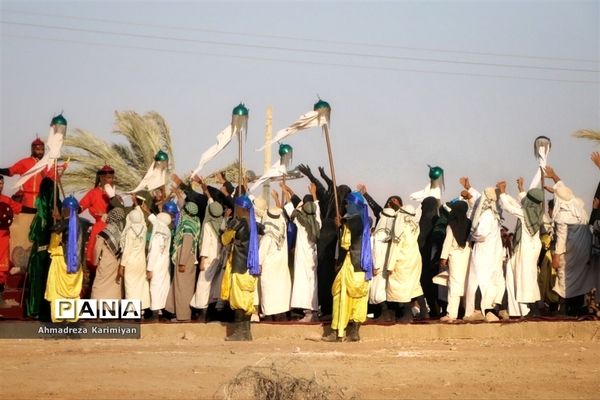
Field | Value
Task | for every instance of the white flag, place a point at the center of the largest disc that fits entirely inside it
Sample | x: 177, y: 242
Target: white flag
x: 154, y: 178
x: 275, y: 171
x: 542, y: 150
x: 308, y: 120
x: 223, y: 140
x: 54, y: 143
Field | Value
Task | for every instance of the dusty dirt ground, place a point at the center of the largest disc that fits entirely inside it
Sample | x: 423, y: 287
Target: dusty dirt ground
x: 529, y: 360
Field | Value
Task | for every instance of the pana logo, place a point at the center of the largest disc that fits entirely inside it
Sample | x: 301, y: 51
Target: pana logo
x: 94, y: 309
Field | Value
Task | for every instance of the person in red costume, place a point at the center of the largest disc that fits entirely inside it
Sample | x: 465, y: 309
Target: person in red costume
x: 31, y: 188
x: 8, y: 207
x: 28, y: 193
x: 97, y: 201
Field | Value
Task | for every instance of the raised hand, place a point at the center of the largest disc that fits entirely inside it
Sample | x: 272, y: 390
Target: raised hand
x: 361, y: 188
x: 312, y: 189
x: 550, y: 173
x: 176, y: 180
x: 595, y: 157
x: 520, y: 184
x: 275, y: 196
x: 305, y: 169
x: 501, y: 186
x: 464, y: 181
x: 221, y: 179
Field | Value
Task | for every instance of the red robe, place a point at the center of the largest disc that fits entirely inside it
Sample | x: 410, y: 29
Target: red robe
x: 31, y: 188
x: 5, y: 239
x: 96, y: 201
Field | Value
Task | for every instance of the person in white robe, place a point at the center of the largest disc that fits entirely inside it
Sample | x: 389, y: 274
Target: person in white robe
x: 456, y: 253
x: 208, y: 286
x: 307, y: 218
x: 527, y: 244
x: 275, y: 279
x: 515, y: 309
x: 572, y: 251
x: 485, y: 267
x: 159, y: 259
x: 403, y: 274
x: 382, y: 238
x: 133, y: 259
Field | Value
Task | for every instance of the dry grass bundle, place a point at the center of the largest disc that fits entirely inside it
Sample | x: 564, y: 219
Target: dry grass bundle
x: 231, y: 173
x: 588, y: 134
x: 144, y: 135
x: 273, y: 383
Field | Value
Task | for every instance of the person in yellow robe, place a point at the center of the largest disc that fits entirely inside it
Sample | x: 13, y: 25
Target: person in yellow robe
x: 65, y: 276
x: 242, y: 267
x: 350, y: 288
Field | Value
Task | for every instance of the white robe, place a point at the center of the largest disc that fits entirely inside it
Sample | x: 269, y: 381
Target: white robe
x: 304, y: 289
x: 515, y: 309
x: 576, y: 275
x: 526, y: 256
x: 134, y: 261
x: 458, y: 265
x: 208, y: 286
x: 381, y: 240
x: 485, y: 267
x: 404, y: 266
x: 158, y: 263
x: 275, y: 279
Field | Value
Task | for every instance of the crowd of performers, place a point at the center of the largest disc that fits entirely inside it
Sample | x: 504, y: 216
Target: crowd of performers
x: 204, y: 252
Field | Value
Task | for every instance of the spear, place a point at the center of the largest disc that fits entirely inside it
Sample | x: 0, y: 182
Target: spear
x: 285, y: 158
x: 324, y: 110
x: 239, y: 123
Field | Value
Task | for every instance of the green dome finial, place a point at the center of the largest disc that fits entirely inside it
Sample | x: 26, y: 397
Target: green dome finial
x: 58, y: 120
x: 161, y: 156
x: 240, y: 110
x: 285, y: 149
x: 321, y: 104
x: 435, y: 172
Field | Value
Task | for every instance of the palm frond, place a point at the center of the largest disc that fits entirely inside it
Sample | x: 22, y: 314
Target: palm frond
x: 145, y: 136
x: 588, y: 134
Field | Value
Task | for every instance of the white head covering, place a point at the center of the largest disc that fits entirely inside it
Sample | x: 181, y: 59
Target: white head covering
x: 135, y: 227
x: 260, y: 207
x: 487, y: 201
x: 568, y: 209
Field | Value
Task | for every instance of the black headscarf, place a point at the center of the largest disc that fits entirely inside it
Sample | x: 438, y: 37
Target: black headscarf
x: 306, y: 217
x: 459, y: 223
x: 429, y: 211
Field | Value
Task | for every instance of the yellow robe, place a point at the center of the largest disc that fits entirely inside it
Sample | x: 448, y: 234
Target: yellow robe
x: 60, y: 284
x: 350, y: 292
x: 236, y: 288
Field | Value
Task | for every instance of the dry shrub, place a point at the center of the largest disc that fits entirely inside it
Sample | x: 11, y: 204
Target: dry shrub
x: 273, y: 383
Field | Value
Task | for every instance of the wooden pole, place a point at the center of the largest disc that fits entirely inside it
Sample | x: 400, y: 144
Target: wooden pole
x: 54, y: 207
x: 268, y: 153
x: 332, y: 168
x: 240, y: 170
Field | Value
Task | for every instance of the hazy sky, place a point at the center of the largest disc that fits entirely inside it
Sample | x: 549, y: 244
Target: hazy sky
x: 410, y: 83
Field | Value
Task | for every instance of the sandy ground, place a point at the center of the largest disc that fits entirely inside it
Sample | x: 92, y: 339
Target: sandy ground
x: 541, y: 360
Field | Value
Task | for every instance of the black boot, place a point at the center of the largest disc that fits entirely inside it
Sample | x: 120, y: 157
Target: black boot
x: 352, y: 333
x: 152, y: 316
x: 423, y: 313
x: 332, y: 337
x: 202, y: 317
x: 281, y: 317
x: 406, y: 311
x: 247, y: 332
x: 239, y: 327
x: 387, y: 314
